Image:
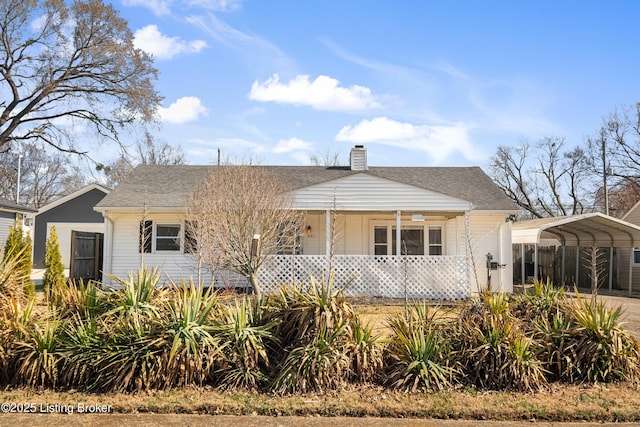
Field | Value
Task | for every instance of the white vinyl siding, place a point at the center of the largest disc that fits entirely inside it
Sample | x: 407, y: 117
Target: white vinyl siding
x: 354, y: 236
x: 364, y: 192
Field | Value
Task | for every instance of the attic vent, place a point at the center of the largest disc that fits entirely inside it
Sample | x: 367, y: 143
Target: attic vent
x: 359, y: 158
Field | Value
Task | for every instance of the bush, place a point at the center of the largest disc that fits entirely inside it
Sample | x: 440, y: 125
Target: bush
x: 418, y: 353
x: 17, y: 250
x: 54, y: 274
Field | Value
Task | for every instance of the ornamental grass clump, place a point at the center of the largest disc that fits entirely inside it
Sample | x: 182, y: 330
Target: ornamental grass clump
x: 602, y: 349
x: 248, y: 339
x: 493, y: 349
x: 418, y: 353
x: 323, y: 343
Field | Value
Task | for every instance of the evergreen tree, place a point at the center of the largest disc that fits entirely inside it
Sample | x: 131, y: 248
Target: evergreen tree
x: 54, y: 273
x: 18, y: 248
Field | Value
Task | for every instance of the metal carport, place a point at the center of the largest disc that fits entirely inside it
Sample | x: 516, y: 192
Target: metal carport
x: 586, y: 230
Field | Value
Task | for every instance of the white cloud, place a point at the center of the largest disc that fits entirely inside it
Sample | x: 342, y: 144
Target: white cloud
x: 439, y: 141
x: 158, y: 7
x: 324, y: 93
x: 160, y: 46
x: 219, y: 5
x: 292, y: 144
x: 186, y: 109
x: 258, y: 52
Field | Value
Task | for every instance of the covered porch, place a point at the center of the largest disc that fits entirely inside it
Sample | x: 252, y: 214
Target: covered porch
x: 430, y: 259
x: 575, y: 237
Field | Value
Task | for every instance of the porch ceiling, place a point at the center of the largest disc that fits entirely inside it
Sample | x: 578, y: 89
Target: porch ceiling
x: 594, y: 229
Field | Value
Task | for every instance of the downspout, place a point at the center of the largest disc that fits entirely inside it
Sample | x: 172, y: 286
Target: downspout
x: 107, y: 266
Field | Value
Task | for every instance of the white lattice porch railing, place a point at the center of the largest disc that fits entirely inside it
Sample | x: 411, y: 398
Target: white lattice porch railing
x: 430, y: 277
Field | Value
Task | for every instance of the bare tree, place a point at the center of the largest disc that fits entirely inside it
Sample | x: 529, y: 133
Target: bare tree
x: 45, y: 175
x: 545, y: 180
x: 147, y: 152
x: 328, y: 158
x: 65, y: 63
x: 230, y: 207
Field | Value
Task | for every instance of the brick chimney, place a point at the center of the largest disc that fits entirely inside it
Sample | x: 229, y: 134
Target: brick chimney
x: 358, y: 158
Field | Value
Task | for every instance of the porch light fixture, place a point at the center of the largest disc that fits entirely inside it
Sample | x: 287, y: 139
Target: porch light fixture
x: 309, y: 231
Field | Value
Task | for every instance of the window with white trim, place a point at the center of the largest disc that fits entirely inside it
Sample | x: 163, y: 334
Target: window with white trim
x: 168, y: 237
x: 415, y: 239
x: 636, y: 255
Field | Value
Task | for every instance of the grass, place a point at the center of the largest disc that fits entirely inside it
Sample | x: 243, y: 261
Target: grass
x: 610, y: 403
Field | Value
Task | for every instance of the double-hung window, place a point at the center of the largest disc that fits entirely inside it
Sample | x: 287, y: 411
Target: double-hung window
x: 168, y: 237
x: 414, y: 240
x: 160, y: 237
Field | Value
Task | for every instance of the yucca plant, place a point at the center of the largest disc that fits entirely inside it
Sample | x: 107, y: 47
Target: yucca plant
x: 542, y: 300
x: 138, y: 300
x: 418, y: 353
x: 81, y: 346
x: 555, y: 334
x: 127, y: 362
x: 493, y: 349
x: 71, y: 298
x: 306, y: 310
x: 603, y: 350
x: 192, y: 349
x: 36, y: 359
x: 365, y: 351
x: 248, y: 343
x: 317, y: 366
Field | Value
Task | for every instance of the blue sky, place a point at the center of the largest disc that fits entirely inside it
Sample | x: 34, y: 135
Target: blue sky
x: 418, y: 83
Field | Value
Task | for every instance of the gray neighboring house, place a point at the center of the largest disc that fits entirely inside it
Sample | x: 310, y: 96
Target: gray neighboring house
x: 10, y: 212
x: 71, y: 214
x: 449, y: 219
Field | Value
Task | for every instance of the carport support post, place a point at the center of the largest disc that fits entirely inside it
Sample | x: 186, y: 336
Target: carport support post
x: 562, y: 271
x: 577, y: 266
x: 631, y: 273
x: 535, y: 263
x: 610, y: 268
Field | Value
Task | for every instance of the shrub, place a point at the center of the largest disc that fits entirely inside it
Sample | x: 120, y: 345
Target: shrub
x: 248, y: 341
x: 493, y: 349
x: 418, y: 353
x: 54, y: 273
x: 17, y: 250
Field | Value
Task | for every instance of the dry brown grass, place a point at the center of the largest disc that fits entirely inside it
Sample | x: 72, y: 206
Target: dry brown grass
x: 610, y: 403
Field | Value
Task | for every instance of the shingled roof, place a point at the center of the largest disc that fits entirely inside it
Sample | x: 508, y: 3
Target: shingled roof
x: 8, y: 205
x: 166, y: 187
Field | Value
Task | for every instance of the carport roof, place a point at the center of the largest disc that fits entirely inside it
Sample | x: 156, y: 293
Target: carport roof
x: 592, y: 229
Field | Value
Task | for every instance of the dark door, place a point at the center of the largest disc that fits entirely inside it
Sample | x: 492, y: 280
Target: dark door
x: 86, y: 256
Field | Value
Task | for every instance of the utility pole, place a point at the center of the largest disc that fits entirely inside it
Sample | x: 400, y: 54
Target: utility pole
x: 20, y: 155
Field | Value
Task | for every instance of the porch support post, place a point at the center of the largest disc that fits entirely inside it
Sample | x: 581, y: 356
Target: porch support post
x: 327, y: 234
x: 398, y: 233
x: 610, y: 268
x: 467, y: 247
x: 523, y: 265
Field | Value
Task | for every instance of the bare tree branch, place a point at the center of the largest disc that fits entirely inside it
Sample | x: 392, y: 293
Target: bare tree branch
x: 75, y: 61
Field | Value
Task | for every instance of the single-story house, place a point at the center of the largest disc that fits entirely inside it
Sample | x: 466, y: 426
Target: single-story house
x: 451, y: 219
x: 10, y: 213
x: 77, y: 225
